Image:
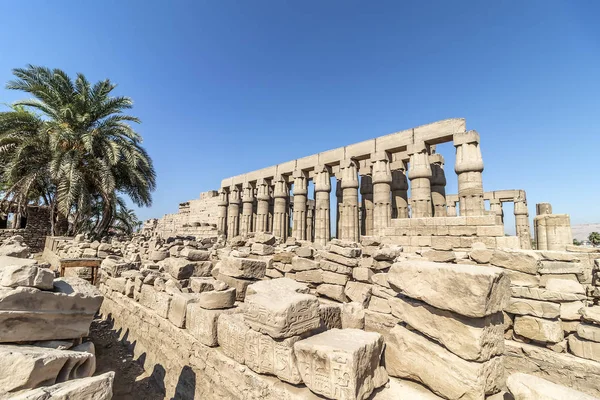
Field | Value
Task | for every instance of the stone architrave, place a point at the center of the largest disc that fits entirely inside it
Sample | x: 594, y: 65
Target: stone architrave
x: 472, y: 291
x: 263, y: 198
x: 342, y: 364
x: 409, y: 355
x: 322, y: 205
x: 468, y: 167
x: 419, y: 173
x: 233, y: 213
x: 29, y: 314
x: 281, y: 194
x: 275, y: 308
x: 247, y: 209
x: 222, y: 212
x: 438, y: 185
x: 367, y: 206
x: 400, y: 192
x: 300, y: 205
x: 349, y: 223
x: 382, y: 200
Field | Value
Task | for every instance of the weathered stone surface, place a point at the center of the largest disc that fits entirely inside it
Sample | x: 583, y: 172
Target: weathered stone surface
x: 194, y: 254
x: 544, y: 294
x: 413, y: 356
x: 213, y: 300
x: 570, y: 311
x: 327, y: 265
x: 158, y: 255
x: 331, y: 314
x: 231, y: 334
x: 589, y: 332
x: 473, y: 291
x: 561, y: 267
x: 92, y: 388
x: 265, y: 355
x: 362, y: 274
x: 377, y: 304
x: 202, y: 323
x: 481, y: 256
x: 358, y: 292
x: 262, y: 249
x: 154, y: 300
x: 518, y: 260
x: 178, y: 308
x: 277, y: 309
x: 199, y: 285
x: 535, y: 308
x: 439, y: 256
x: 24, y: 272
x: 538, y: 329
x: 522, y: 279
x: 351, y: 252
x: 349, y: 262
x: 565, y: 286
x: 264, y: 238
x: 303, y: 264
x: 379, y: 322
x: 387, y: 253
x: 306, y: 252
x: 27, y: 367
x: 243, y: 268
x: 529, y: 387
x: 30, y: 314
x: 591, y: 314
x: 349, y: 353
x: 14, y: 247
x: 353, y: 316
x: 117, y: 284
x: 584, y: 348
x: 284, y: 257
x: 115, y: 266
x: 240, y: 285
x: 471, y: 339
x: 179, y: 268
x: 335, y: 292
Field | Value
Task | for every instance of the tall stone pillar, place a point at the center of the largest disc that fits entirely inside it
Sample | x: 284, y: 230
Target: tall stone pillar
x: 281, y: 195
x: 366, y: 190
x: 468, y: 167
x: 522, y: 223
x: 399, y: 193
x: 247, y: 206
x: 349, y: 214
x: 496, y: 208
x: 233, y: 212
x: 382, y: 200
x: 438, y: 185
x: 262, y: 206
x: 338, y: 215
x: 552, y: 231
x: 310, y: 212
x: 300, y: 204
x: 451, y: 210
x: 322, y: 205
x: 271, y: 208
x: 419, y: 173
x: 222, y: 212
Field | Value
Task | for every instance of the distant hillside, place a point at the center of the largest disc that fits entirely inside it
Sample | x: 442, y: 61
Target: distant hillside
x: 581, y: 232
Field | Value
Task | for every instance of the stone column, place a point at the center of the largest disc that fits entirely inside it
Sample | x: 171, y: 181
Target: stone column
x: 233, y: 212
x: 349, y: 214
x: 310, y: 212
x: 281, y: 195
x: 451, y: 210
x: 522, y: 223
x: 468, y: 167
x: 222, y: 212
x: 263, y: 199
x: 419, y: 173
x: 338, y: 217
x: 438, y: 185
x: 496, y: 208
x: 399, y: 193
x: 366, y: 190
x: 552, y: 231
x: 300, y: 201
x: 247, y: 205
x: 322, y: 205
x: 543, y: 208
x: 382, y: 181
x: 254, y: 211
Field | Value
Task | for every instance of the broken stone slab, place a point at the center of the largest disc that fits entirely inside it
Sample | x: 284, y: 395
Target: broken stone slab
x: 589, y: 332
x: 591, y: 314
x: 350, y: 252
x: 538, y: 329
x: 231, y: 335
x: 265, y: 355
x: 274, y: 307
x: 262, y: 249
x: 362, y: 274
x: 24, y: 272
x: 564, y: 286
x: 28, y: 314
x: 243, y: 268
x: 439, y: 256
x: 303, y: 264
x: 570, y: 311
x: 519, y: 260
x: 476, y: 339
x: 327, y: 265
x: 584, y: 348
x: 284, y: 257
x: 334, y: 292
x: 358, y: 292
x: 352, y: 315
x: 202, y: 269
x: 158, y: 255
x: 117, y: 284
x: 92, y: 388
x: 214, y: 300
x: 27, y: 367
x: 348, y: 262
x: 387, y: 253
x: 240, y: 285
x: 115, y: 265
x: 349, y: 353
x: 535, y: 308
x: 199, y: 285
x: 522, y: 279
x: 472, y: 291
x: 561, y: 267
x: 14, y: 249
x: 529, y: 387
x: 202, y: 323
x: 412, y: 356
x: 264, y: 238
x: 379, y: 322
x: 377, y: 304
x: 178, y: 268
x: 178, y: 308
x: 193, y: 254
x: 481, y: 256
x: 544, y: 294
x: 155, y: 300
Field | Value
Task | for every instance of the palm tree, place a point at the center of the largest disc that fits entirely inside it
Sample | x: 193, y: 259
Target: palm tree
x: 73, y: 143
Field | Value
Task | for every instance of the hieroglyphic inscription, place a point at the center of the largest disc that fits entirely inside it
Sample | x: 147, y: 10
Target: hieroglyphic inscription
x: 266, y: 355
x: 231, y: 333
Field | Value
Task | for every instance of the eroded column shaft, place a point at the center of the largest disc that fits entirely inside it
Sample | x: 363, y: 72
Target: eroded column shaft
x: 438, y: 185
x: 247, y: 208
x: 399, y: 194
x: 222, y: 212
x: 468, y: 167
x: 233, y: 213
x: 349, y: 212
x: 366, y: 191
x: 382, y: 200
x: 419, y: 173
x: 322, y: 205
x: 300, y: 204
x: 280, y: 208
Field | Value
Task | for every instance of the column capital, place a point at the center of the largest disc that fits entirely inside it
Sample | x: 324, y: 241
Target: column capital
x: 300, y: 182
x: 380, y: 156
x: 349, y: 173
x: 247, y: 193
x: 234, y: 195
x: 381, y: 172
x: 223, y: 197
x: 468, y: 137
x: 322, y: 178
x: 415, y: 148
x: 281, y: 189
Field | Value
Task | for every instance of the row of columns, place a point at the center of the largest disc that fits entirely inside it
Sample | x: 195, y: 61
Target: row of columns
x: 384, y: 195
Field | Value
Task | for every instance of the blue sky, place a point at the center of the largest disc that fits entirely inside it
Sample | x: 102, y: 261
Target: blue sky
x: 225, y: 87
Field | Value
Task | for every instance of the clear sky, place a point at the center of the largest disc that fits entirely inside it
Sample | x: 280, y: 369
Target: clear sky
x: 225, y: 87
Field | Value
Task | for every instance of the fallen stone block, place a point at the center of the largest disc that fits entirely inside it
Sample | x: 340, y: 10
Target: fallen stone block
x: 350, y: 354
x: 584, y: 348
x: 24, y: 272
x: 570, y: 311
x: 155, y: 300
x: 240, y: 285
x: 350, y: 252
x: 334, y: 292
x: 92, y: 388
x: 214, y: 300
x: 542, y: 309
x: 114, y: 266
x: 303, y: 264
x: 327, y: 265
x: 564, y: 286
x: 202, y: 323
x: 179, y: 268
x: 591, y: 314
x: 589, y: 332
x: 243, y: 268
x: 178, y: 308
x: 358, y: 292
x: 231, y: 335
x: 353, y: 315
x: 412, y: 356
x: 262, y: 249
x: 379, y: 322
x: 387, y: 253
x: 518, y: 260
x: 538, y: 329
x: 194, y: 254
x: 439, y: 256
x: 473, y: 291
x: 349, y: 262
x: 199, y: 285
x: 544, y: 294
x: 530, y: 387
x: 477, y: 339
